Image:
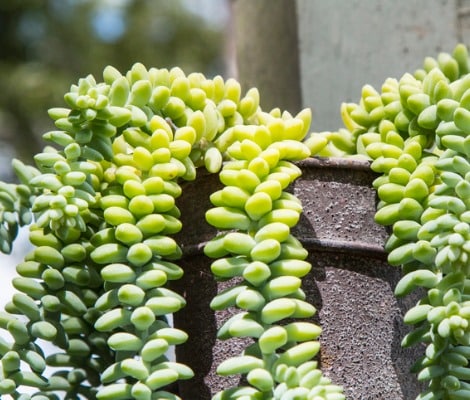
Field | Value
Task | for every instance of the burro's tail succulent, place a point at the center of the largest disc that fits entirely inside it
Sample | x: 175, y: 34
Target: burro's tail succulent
x: 416, y: 132
x: 101, y: 207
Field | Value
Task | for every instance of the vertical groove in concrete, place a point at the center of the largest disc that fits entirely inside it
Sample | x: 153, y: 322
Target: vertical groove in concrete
x: 347, y: 44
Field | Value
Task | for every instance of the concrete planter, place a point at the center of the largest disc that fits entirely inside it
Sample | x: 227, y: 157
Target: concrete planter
x: 350, y: 284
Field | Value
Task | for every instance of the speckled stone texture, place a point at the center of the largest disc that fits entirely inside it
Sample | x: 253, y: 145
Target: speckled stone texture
x: 350, y: 284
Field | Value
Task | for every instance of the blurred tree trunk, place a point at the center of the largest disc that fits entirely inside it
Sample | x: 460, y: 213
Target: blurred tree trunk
x: 267, y: 51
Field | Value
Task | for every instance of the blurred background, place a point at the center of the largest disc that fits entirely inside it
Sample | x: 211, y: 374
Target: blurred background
x: 46, y: 45
x: 299, y: 53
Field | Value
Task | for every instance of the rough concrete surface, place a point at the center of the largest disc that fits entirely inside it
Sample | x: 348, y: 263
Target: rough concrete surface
x: 350, y: 284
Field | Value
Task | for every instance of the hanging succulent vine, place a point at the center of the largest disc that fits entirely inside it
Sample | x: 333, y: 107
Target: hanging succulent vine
x: 103, y: 198
x: 270, y: 261
x: 416, y: 131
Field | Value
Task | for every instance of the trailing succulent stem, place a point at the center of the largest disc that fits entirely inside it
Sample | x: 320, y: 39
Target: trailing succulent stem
x: 102, y: 202
x: 416, y: 131
x: 15, y: 204
x: 255, y: 215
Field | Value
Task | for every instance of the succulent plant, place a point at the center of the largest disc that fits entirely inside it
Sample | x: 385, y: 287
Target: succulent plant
x: 101, y: 207
x: 416, y: 132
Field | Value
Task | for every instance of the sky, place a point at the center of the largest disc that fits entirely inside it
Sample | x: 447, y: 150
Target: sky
x: 109, y: 19
x: 8, y: 265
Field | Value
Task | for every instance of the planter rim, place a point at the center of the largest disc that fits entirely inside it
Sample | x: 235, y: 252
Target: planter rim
x: 357, y: 247
x: 336, y: 162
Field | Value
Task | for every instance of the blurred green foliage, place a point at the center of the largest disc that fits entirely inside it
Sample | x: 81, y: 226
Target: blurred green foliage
x: 46, y: 45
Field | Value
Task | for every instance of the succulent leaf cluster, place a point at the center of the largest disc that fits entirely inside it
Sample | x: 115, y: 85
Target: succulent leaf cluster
x: 255, y: 214
x: 416, y: 132
x: 101, y: 203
